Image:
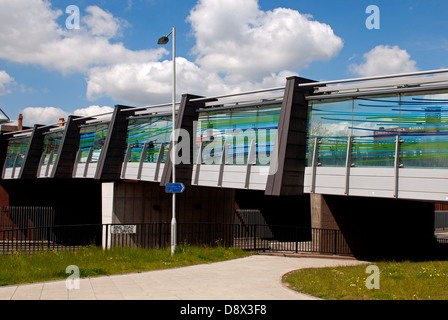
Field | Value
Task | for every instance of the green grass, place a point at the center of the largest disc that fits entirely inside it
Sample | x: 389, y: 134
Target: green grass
x: 397, y: 281
x: 19, y: 268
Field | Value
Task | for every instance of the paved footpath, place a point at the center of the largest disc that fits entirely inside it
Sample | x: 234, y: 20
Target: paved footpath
x: 253, y: 278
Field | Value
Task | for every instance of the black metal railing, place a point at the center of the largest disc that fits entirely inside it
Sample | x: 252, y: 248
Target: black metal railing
x: 35, y: 239
x: 158, y: 235
x: 441, y: 220
x: 26, y: 218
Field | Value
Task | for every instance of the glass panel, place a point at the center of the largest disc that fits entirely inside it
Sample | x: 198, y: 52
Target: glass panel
x: 374, y: 152
x: 267, y: 128
x: 420, y: 121
x: 201, y: 127
x: 376, y: 123
x: 244, y: 130
x: 92, y: 136
x: 331, y: 119
x: 424, y: 152
x: 51, y: 145
x: 214, y: 126
x: 238, y: 127
x: 332, y: 123
x: 333, y: 152
x: 310, y: 152
x: 137, y: 131
x: 161, y: 133
x: 16, y: 152
x: 379, y: 116
x: 154, y: 131
x: 425, y: 143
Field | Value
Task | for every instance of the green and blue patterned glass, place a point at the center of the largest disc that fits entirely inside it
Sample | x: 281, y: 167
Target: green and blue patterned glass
x: 238, y: 127
x: 92, y: 136
x: 154, y: 131
x: 329, y: 119
x: 214, y: 128
x: 15, y: 153
x: 375, y: 127
x: 267, y: 128
x: 243, y: 130
x: 376, y: 152
x: 331, y: 122
x: 333, y: 152
x: 418, y: 121
x: 52, y: 142
x: 424, y: 119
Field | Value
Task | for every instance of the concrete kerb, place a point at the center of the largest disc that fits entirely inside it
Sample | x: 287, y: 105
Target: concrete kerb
x: 308, y: 255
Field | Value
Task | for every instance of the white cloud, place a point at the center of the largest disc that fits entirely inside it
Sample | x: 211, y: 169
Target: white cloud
x: 151, y: 83
x: 5, y: 82
x: 238, y: 48
x: 33, y: 22
x: 43, y: 42
x: 102, y: 23
x: 42, y: 115
x: 92, y: 111
x: 383, y: 60
x: 252, y: 48
x: 49, y: 115
x: 237, y: 38
x: 148, y: 83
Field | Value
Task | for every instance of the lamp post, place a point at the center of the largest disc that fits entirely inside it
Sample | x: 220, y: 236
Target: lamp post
x: 162, y: 41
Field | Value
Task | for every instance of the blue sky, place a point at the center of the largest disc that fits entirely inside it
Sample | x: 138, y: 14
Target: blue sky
x: 47, y: 71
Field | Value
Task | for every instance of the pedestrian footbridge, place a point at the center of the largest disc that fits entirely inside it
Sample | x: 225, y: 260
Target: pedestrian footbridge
x: 373, y: 137
x: 385, y: 139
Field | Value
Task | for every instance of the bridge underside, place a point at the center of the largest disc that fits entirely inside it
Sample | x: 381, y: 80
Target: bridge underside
x: 76, y: 201
x: 377, y: 228
x: 143, y: 202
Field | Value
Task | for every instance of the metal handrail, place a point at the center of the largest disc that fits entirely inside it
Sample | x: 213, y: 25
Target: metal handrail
x: 238, y: 94
x: 398, y: 75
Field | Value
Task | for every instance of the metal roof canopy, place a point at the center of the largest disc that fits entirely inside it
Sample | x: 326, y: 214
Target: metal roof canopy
x: 386, y: 84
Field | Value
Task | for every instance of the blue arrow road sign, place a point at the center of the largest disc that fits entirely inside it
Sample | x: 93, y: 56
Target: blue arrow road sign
x: 174, y: 188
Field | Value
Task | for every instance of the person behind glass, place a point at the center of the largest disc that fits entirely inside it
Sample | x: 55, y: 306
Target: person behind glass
x: 206, y: 141
x: 151, y: 151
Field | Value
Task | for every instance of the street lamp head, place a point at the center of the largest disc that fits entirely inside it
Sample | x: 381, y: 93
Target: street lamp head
x: 163, y: 40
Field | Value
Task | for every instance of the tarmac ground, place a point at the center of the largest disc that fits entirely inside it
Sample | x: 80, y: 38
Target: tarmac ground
x: 255, y: 277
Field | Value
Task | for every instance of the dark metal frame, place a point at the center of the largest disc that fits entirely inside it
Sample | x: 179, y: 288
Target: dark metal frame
x: 251, y: 237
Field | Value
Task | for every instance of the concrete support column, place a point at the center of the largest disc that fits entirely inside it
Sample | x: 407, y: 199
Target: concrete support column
x: 324, y: 239
x: 107, y: 210
x: 145, y: 203
x: 321, y: 216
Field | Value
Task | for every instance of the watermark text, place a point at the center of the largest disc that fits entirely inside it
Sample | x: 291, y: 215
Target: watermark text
x: 73, y: 20
x: 373, y: 20
x: 72, y: 282
x: 373, y: 281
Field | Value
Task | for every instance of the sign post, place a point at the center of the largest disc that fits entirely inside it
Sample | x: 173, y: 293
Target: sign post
x: 162, y: 41
x: 174, y: 188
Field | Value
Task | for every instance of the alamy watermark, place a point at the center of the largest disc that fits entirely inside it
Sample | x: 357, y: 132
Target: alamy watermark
x: 373, y: 281
x: 72, y: 282
x: 228, y: 147
x: 373, y: 20
x: 73, y: 20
